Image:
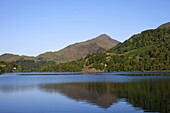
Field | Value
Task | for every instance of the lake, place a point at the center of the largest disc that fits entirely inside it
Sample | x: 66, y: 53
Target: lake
x: 119, y: 92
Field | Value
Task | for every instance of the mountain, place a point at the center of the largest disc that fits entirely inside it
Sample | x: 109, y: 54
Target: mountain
x: 12, y: 57
x: 79, y: 50
x: 70, y: 53
x: 166, y: 25
x: 147, y: 51
x: 147, y: 39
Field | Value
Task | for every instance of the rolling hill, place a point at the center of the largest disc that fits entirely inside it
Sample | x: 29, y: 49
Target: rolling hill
x: 146, y: 51
x: 8, y: 57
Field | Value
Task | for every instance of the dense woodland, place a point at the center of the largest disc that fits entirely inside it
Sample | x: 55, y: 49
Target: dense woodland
x: 147, y: 51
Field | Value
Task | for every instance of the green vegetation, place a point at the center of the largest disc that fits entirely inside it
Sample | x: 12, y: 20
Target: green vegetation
x: 157, y: 38
x: 22, y: 65
x: 148, y: 51
x: 31, y: 65
x: 9, y: 67
x: 74, y: 66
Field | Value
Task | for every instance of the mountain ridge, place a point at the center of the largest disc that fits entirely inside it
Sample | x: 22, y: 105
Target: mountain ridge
x: 165, y: 25
x: 146, y: 51
x: 9, y: 57
x: 78, y: 50
x: 98, y: 44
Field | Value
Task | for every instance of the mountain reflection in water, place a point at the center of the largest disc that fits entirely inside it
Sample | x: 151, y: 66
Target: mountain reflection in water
x: 152, y: 95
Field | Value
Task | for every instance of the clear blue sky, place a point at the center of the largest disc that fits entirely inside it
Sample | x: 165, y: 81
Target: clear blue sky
x: 31, y: 27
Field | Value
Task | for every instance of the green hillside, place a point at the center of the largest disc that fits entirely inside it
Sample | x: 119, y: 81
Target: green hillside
x: 147, y: 51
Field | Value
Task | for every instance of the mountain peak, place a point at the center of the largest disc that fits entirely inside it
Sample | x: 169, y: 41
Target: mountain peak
x: 78, y: 50
x: 103, y: 36
x: 165, y: 25
x: 106, y: 39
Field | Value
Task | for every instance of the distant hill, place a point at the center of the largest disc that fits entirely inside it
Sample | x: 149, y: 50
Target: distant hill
x: 70, y: 53
x: 79, y: 50
x: 147, y: 51
x: 8, y: 57
x: 147, y: 39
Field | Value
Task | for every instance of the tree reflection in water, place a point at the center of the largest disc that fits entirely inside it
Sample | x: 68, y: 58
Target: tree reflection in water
x: 151, y: 95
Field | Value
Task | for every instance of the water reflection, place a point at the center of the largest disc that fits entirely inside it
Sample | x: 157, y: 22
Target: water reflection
x: 152, y: 95
x: 91, y: 92
x: 16, y: 88
x: 109, y: 93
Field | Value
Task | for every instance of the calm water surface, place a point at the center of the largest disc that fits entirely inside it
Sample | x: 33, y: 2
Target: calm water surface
x: 83, y: 93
